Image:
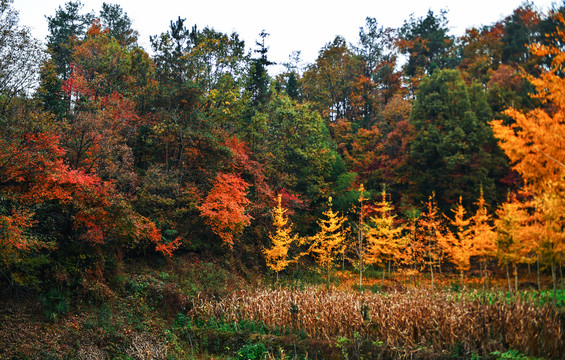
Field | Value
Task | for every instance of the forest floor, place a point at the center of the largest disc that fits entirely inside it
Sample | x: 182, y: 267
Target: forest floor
x: 169, y: 310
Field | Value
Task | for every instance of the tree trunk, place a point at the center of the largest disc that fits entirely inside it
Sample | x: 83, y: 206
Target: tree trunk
x: 516, y: 277
x: 482, y: 272
x: 360, y: 276
x: 561, y: 278
x: 360, y: 249
x: 538, y: 275
x: 508, y: 278
x: 432, y: 274
x: 486, y: 276
x: 554, y: 276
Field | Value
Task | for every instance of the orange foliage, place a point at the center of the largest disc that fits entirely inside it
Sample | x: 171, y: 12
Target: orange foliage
x: 224, y: 207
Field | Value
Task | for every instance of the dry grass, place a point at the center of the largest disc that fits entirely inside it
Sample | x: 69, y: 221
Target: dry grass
x: 401, y: 320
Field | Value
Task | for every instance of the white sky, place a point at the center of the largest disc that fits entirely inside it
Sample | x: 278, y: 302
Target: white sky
x: 292, y: 24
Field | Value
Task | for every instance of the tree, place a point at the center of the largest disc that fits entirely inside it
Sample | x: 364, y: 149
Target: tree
x: 519, y: 31
x: 295, y: 143
x: 20, y: 56
x: 385, y: 242
x: 66, y: 27
x: 453, y: 151
x: 459, y: 245
x: 534, y: 142
x: 482, y: 233
x: 514, y: 244
x: 224, y: 207
x: 430, y: 234
x: 118, y: 23
x: 259, y: 82
x: 551, y: 247
x: 332, y: 80
x: 359, y: 247
x: 376, y: 48
x: 329, y: 242
x: 481, y: 52
x: 102, y: 67
x: 277, y: 256
x: 426, y: 42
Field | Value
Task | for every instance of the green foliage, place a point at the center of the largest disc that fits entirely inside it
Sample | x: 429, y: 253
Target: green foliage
x: 256, y: 351
x: 511, y: 355
x: 452, y: 152
x: 427, y: 43
x: 55, y: 304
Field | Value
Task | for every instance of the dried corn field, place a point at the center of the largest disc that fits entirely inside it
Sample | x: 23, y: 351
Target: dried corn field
x: 400, y: 320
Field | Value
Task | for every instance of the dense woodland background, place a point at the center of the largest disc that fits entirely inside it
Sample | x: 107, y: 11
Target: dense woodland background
x: 408, y: 149
x: 107, y: 151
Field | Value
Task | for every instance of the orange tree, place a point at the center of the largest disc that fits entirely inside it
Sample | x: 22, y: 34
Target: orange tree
x: 458, y: 244
x: 535, y: 143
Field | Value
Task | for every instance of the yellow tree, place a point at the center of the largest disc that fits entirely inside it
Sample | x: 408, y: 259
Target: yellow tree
x: 430, y: 226
x: 551, y: 247
x: 359, y: 248
x: 329, y: 242
x: 513, y: 241
x: 483, y: 235
x: 277, y: 255
x: 414, y: 251
x: 535, y: 142
x: 384, y: 240
x: 458, y: 245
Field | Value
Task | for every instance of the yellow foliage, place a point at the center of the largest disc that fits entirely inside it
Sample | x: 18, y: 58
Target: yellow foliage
x: 535, y: 143
x: 459, y: 245
x: 329, y: 242
x: 277, y: 256
x: 483, y: 235
x: 430, y: 233
x: 384, y: 240
x: 514, y: 242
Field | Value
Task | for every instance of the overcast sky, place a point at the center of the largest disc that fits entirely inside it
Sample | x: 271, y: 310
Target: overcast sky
x: 293, y: 25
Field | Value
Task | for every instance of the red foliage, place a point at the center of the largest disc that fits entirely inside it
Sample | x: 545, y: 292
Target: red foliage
x: 242, y: 162
x: 32, y: 172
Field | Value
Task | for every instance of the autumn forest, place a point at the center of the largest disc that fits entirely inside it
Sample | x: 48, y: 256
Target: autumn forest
x: 402, y: 196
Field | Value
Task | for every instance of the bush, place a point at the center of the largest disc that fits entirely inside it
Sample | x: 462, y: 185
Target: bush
x: 55, y: 304
x: 252, y: 352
